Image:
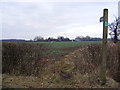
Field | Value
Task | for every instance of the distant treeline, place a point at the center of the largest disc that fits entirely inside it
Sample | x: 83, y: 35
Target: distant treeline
x: 58, y: 39
x: 14, y: 40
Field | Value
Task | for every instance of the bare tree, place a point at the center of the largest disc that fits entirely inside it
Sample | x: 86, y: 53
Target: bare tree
x: 114, y: 28
x: 38, y: 38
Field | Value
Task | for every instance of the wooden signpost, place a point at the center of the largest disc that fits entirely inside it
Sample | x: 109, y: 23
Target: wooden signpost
x: 118, y: 48
x: 104, y: 47
x: 104, y: 19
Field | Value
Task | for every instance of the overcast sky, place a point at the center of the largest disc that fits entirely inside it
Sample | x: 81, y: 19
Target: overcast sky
x: 25, y: 20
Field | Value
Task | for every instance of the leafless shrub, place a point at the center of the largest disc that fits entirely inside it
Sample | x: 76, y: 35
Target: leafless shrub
x: 22, y: 58
x: 89, y: 59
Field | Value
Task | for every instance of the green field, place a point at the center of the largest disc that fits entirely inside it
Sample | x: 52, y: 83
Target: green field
x: 58, y: 49
x: 60, y: 45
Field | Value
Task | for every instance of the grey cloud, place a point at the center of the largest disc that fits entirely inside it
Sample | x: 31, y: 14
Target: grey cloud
x: 31, y: 19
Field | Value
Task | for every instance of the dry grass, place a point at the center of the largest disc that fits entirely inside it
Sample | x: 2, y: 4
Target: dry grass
x: 78, y: 69
x: 81, y: 68
x: 22, y: 58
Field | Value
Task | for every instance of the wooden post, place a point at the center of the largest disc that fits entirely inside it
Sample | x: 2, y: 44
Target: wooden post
x: 104, y: 47
x: 118, y: 70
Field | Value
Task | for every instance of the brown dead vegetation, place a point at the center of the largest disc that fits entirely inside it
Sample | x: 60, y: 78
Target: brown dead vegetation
x: 78, y: 69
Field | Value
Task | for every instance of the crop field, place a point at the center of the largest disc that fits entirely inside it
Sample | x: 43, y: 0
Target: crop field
x: 60, y: 45
x: 58, y: 49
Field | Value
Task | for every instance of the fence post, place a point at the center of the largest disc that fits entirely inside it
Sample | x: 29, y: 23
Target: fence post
x: 104, y: 47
